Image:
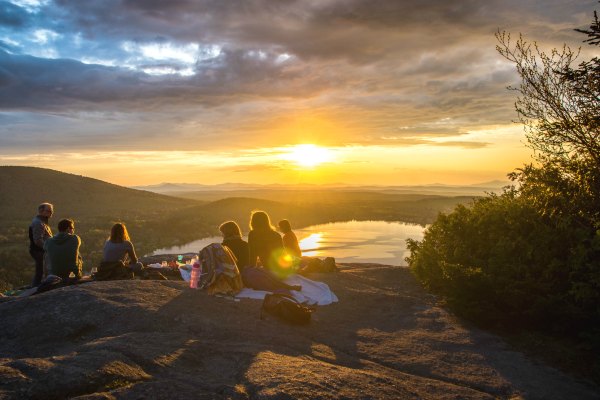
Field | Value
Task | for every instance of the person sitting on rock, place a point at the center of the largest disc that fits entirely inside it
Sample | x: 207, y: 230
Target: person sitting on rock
x: 118, y: 247
x: 264, y: 243
x: 62, y: 251
x: 232, y: 238
x: 290, y: 241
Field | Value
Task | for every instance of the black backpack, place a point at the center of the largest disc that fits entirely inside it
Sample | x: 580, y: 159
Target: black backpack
x: 286, y: 308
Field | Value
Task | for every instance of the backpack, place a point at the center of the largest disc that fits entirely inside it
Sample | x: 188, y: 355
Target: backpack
x: 329, y: 264
x: 220, y: 273
x: 317, y: 265
x: 286, y: 308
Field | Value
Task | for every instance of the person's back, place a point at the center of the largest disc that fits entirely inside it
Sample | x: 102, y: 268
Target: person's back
x: 262, y: 244
x: 290, y: 241
x: 239, y: 247
x: 232, y: 238
x: 119, y: 248
x: 265, y: 244
x: 263, y: 241
x: 122, y: 251
x: 62, y: 251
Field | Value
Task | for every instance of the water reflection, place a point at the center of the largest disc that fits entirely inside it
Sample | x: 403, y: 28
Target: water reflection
x: 359, y: 241
x: 311, y: 244
x: 352, y: 241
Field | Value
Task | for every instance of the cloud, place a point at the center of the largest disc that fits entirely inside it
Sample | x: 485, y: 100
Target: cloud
x: 12, y: 15
x: 256, y: 168
x: 230, y: 72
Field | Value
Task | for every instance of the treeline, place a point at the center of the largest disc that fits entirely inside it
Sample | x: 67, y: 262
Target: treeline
x: 529, y: 259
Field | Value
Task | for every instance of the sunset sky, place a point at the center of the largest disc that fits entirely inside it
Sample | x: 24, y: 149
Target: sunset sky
x: 383, y: 92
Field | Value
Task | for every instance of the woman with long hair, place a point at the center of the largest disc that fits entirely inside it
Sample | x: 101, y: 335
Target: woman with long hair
x: 267, y: 262
x: 264, y: 242
x: 118, y: 247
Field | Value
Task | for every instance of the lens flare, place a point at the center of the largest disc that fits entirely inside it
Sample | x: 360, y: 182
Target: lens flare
x: 283, y: 264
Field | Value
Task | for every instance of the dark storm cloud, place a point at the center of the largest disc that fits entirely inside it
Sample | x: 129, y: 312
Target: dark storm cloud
x: 12, y: 15
x: 35, y: 83
x: 400, y: 66
x: 366, y: 32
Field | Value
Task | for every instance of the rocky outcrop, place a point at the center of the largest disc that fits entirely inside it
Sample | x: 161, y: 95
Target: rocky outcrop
x: 386, y: 338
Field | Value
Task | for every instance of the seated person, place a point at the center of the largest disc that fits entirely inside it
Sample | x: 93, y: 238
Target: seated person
x: 62, y: 251
x: 264, y: 243
x: 253, y: 277
x: 290, y: 241
x: 232, y: 238
x: 118, y: 247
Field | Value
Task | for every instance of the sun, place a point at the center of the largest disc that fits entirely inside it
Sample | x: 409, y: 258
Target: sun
x: 308, y: 155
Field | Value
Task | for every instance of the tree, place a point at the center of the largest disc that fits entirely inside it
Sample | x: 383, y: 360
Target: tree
x: 559, y: 105
x: 530, y: 257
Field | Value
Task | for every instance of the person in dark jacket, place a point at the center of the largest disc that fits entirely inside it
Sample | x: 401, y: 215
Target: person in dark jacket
x: 39, y: 232
x: 232, y: 238
x: 62, y: 251
x: 264, y: 243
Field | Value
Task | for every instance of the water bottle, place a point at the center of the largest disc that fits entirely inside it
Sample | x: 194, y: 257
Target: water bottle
x: 195, y: 274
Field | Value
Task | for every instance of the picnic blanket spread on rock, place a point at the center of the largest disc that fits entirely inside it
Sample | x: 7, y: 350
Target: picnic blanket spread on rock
x: 313, y: 292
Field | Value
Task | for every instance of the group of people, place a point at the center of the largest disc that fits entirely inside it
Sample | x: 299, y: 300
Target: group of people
x: 263, y: 260
x: 266, y: 258
x: 59, y: 255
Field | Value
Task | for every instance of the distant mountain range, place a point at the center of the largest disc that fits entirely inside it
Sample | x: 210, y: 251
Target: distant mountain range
x: 437, y: 188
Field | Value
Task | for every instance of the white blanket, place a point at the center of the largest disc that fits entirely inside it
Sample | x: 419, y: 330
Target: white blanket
x: 313, y: 293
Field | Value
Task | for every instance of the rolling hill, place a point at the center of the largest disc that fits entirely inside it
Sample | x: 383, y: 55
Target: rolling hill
x: 23, y: 188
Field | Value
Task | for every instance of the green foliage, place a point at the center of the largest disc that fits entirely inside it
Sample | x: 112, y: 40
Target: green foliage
x: 530, y: 257
x: 503, y: 263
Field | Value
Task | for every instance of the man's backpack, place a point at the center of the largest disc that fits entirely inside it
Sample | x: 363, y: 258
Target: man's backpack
x: 286, y: 308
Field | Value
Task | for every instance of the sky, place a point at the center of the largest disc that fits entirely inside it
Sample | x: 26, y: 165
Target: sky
x: 378, y: 92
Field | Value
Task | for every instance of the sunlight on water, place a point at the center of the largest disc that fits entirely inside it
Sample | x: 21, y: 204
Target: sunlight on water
x: 359, y: 241
x: 352, y: 241
x: 310, y: 244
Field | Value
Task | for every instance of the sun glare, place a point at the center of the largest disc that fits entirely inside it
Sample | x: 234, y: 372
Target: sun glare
x: 310, y: 244
x: 308, y: 155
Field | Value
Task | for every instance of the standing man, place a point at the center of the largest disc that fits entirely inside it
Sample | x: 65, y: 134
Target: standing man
x: 39, y: 232
x: 62, y: 251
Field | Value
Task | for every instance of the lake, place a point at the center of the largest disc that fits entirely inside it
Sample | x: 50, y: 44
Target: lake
x: 352, y: 241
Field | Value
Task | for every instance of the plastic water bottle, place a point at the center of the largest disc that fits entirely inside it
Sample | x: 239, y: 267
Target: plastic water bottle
x: 195, y: 274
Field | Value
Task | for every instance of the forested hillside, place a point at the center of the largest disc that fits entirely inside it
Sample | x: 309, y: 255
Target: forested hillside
x: 23, y: 188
